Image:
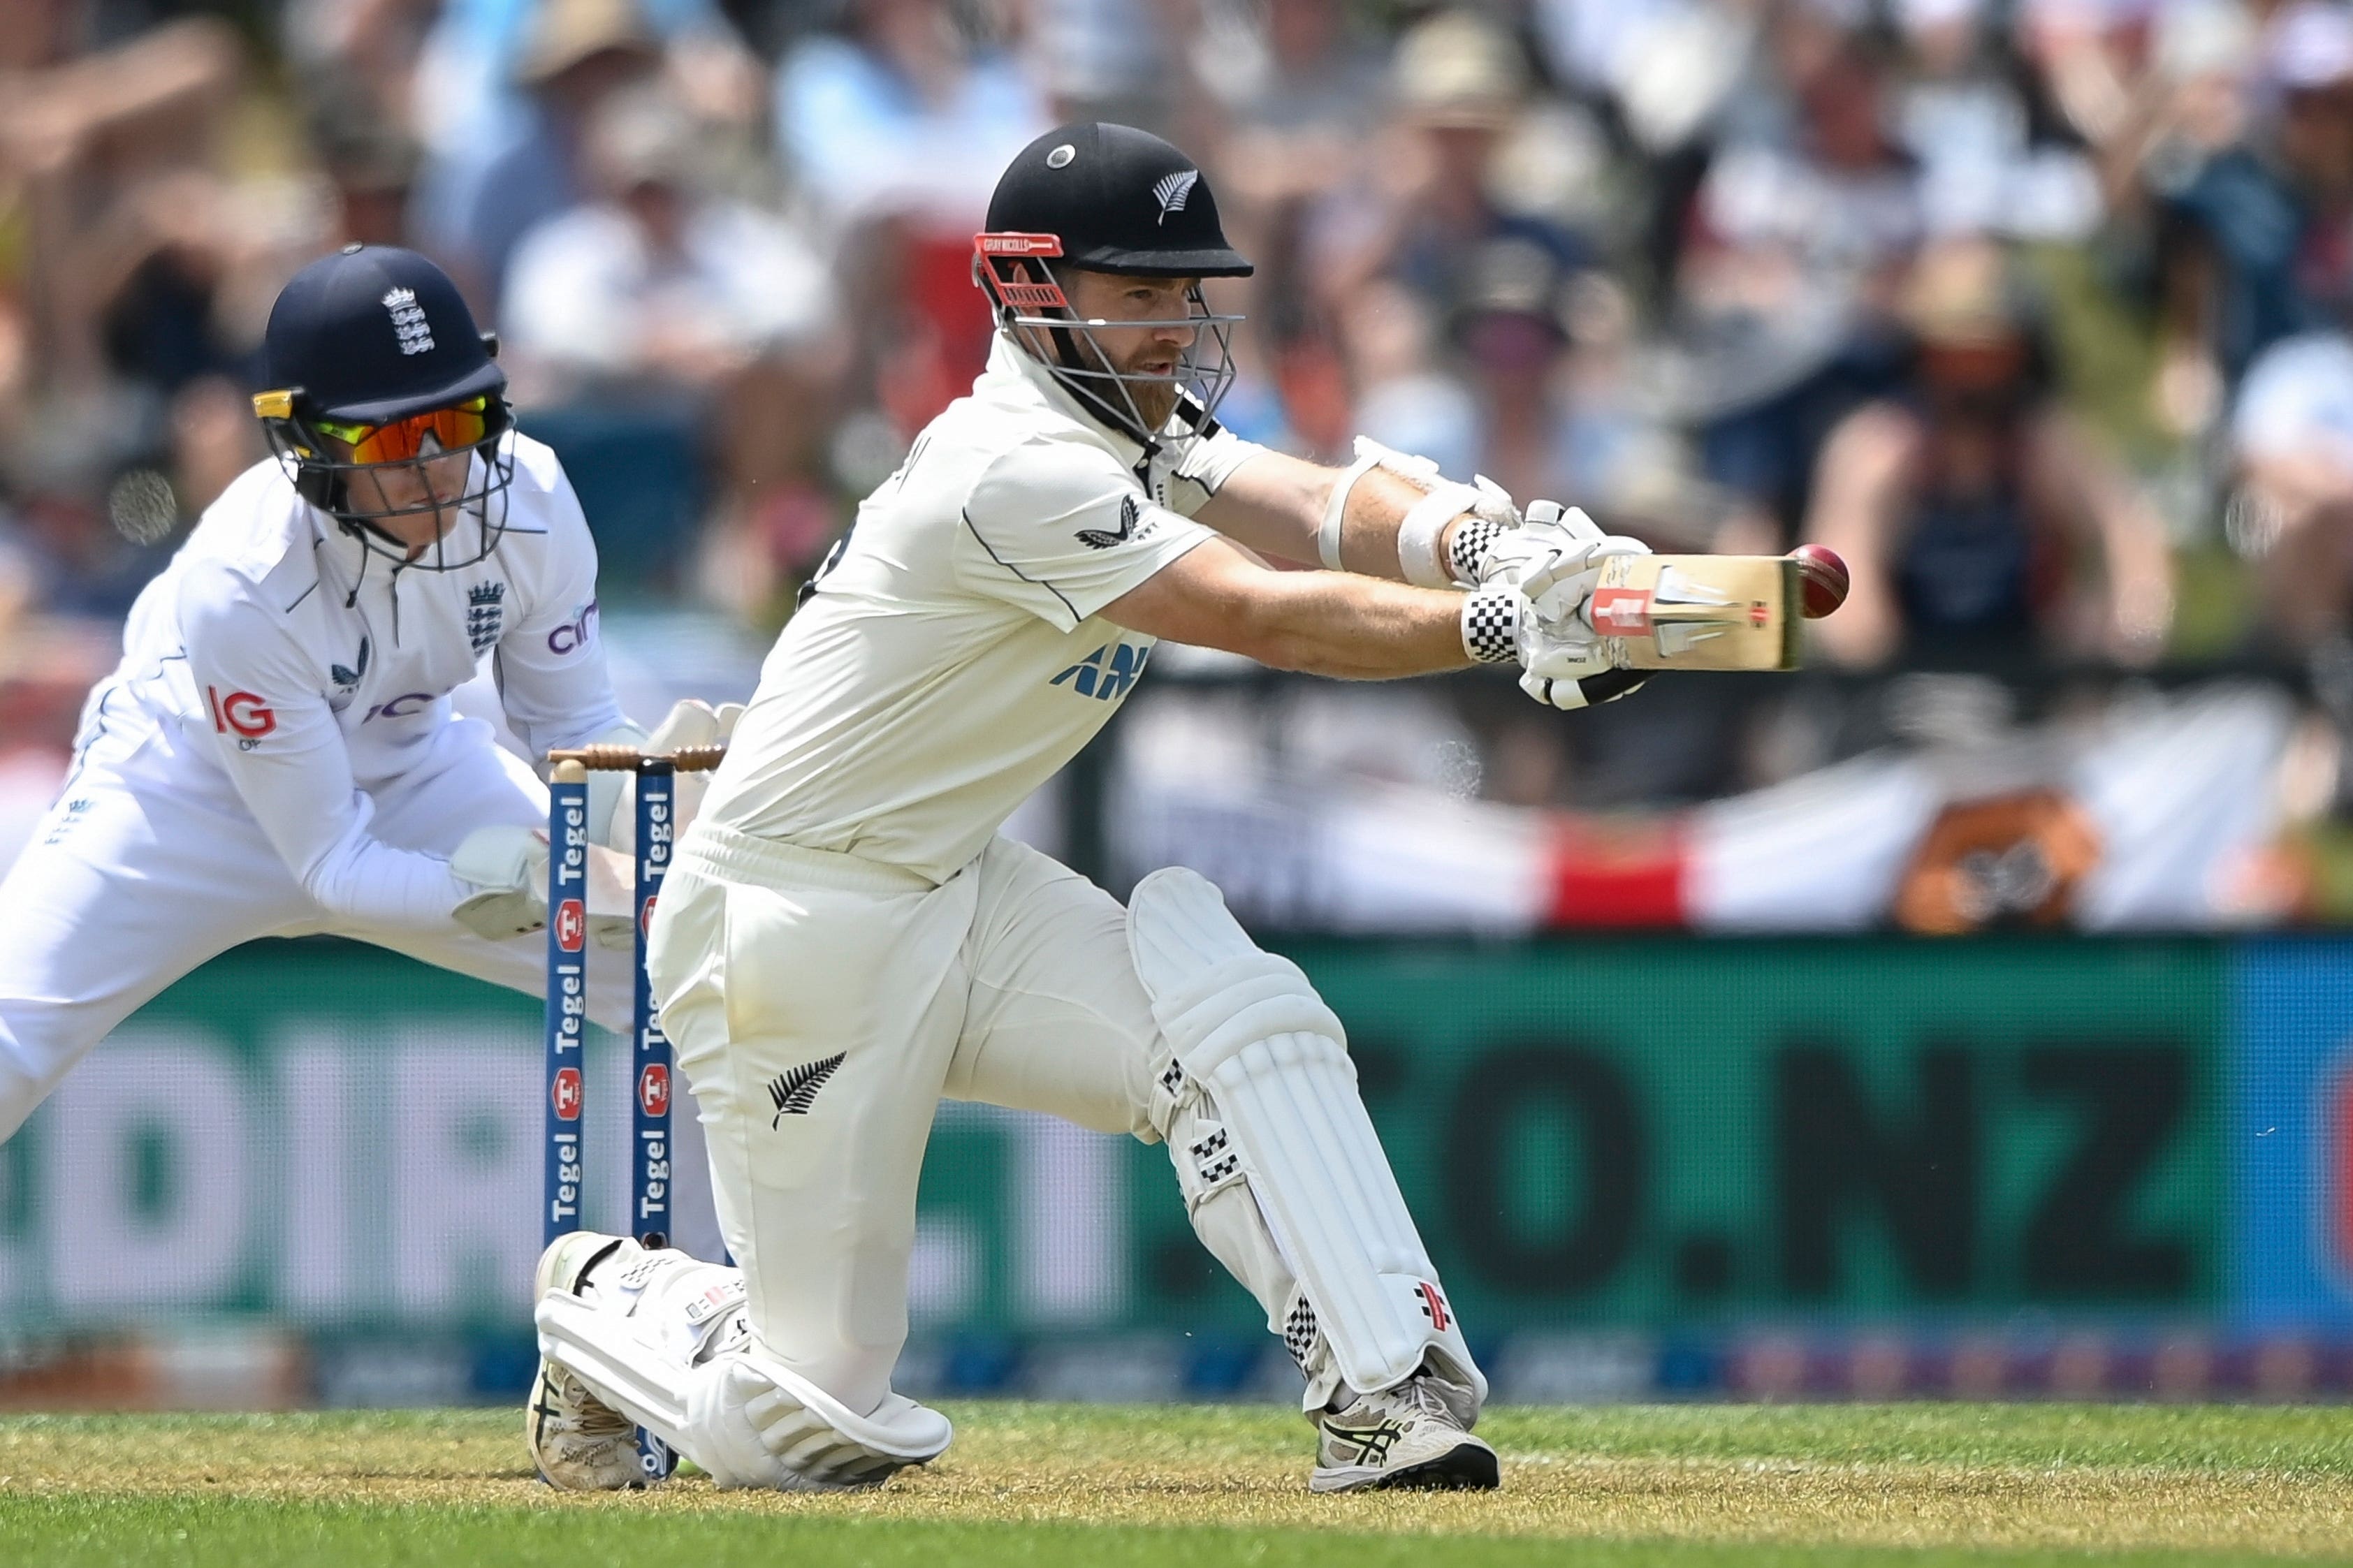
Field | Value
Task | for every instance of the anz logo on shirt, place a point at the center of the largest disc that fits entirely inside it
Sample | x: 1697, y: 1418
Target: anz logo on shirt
x: 1108, y: 672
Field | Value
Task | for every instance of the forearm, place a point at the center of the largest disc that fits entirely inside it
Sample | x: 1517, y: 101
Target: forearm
x: 362, y: 879
x: 1277, y: 506
x: 1338, y: 624
x: 1377, y: 503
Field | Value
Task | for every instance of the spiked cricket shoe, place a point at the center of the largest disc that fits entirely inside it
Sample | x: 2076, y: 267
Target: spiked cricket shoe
x: 1409, y: 1437
x: 580, y: 1443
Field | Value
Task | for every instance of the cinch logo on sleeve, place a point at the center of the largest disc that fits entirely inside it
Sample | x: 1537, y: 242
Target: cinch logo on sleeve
x: 240, y: 713
x: 574, y: 633
x: 1108, y: 672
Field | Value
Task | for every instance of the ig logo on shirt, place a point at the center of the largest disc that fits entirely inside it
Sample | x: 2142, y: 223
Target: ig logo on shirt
x: 241, y: 713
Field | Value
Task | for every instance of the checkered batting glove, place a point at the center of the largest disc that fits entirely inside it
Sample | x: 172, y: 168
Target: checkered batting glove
x: 1563, y: 663
x: 1491, y: 625
x: 1556, y: 541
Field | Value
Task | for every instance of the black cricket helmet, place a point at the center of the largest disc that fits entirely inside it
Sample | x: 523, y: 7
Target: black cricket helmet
x: 1098, y: 197
x: 376, y: 366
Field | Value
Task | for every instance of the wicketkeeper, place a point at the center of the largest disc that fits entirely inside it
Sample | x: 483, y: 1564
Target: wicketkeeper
x: 276, y: 754
x: 846, y: 937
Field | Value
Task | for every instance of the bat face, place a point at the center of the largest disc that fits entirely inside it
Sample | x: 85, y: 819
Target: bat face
x: 1699, y: 612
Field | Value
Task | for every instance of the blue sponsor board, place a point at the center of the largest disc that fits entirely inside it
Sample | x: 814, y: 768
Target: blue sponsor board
x: 2290, y: 1133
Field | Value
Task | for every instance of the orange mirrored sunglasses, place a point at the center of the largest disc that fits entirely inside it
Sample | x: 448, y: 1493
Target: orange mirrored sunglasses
x: 453, y: 428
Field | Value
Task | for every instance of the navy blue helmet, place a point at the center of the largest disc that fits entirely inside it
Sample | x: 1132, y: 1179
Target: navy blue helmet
x: 375, y: 366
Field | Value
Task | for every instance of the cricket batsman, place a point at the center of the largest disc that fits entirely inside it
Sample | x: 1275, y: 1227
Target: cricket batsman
x: 846, y: 937
x: 276, y: 754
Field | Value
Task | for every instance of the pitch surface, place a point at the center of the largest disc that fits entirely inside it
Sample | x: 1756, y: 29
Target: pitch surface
x: 1677, y: 1487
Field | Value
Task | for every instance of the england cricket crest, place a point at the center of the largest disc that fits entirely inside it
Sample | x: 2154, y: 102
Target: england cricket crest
x: 486, y: 615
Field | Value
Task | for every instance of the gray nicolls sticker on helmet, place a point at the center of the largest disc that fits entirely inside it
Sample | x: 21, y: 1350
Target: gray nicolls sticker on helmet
x: 1172, y: 190
x: 1059, y: 158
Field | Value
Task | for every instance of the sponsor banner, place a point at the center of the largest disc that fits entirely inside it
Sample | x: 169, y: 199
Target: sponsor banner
x: 333, y: 1138
x: 1595, y: 1135
x: 2291, y: 1134
x: 1627, y: 1133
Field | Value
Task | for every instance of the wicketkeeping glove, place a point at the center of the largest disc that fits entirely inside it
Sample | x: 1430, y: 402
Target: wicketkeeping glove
x: 507, y: 865
x: 692, y: 723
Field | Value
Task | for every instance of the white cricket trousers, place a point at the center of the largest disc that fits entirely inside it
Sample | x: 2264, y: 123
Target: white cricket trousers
x: 149, y: 865
x: 822, y: 1004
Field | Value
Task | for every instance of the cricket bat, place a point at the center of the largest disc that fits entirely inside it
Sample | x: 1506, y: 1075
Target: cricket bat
x: 1699, y: 612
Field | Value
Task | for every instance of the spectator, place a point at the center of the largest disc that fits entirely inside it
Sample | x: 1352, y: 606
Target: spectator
x: 371, y: 166
x: 474, y: 100
x: 81, y: 138
x: 1544, y: 351
x: 899, y: 115
x: 581, y: 53
x: 1298, y: 100
x: 2293, y: 434
x: 895, y: 130
x: 1460, y: 83
x: 702, y: 313
x: 2259, y: 241
x: 1108, y: 59
x: 656, y: 278
x: 1783, y: 287
x: 355, y: 60
x: 1988, y: 162
x: 1404, y: 398
x: 1966, y: 503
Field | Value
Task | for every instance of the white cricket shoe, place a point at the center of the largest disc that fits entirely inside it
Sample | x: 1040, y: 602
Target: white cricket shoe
x: 580, y: 1443
x: 1410, y: 1437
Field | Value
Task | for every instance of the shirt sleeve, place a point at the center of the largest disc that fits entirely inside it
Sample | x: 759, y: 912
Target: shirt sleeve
x: 1059, y: 528
x: 274, y: 736
x: 1208, y: 462
x: 550, y: 664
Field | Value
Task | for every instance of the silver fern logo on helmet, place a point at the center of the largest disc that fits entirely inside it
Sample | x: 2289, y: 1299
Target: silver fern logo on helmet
x: 1172, y: 190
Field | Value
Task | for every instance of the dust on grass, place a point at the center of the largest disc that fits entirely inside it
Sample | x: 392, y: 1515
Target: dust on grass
x: 2220, y: 1482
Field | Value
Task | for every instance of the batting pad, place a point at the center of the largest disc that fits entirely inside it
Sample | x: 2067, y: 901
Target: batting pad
x: 1252, y: 1034
x: 750, y: 1424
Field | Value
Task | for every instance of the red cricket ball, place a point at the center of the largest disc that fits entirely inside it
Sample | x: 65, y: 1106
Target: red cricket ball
x: 1825, y: 576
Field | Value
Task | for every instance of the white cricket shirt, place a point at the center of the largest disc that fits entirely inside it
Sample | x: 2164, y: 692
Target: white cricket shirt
x: 279, y: 665
x: 953, y: 656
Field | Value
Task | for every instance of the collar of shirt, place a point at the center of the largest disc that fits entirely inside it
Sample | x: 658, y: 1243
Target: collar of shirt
x: 1014, y: 373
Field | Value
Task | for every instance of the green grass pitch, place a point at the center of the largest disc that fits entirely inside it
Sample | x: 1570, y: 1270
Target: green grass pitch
x: 1924, y: 1486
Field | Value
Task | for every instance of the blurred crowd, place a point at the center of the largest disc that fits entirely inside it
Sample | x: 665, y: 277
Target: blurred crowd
x: 2035, y: 310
